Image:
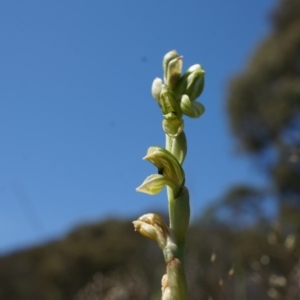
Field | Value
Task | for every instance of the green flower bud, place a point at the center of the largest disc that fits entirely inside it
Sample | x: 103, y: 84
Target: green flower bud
x: 169, y: 105
x: 166, y: 60
x: 195, y: 83
x: 156, y: 89
x: 167, y: 163
x: 191, y: 83
x: 174, y: 72
x: 182, y: 84
x: 192, y: 109
x: 173, y: 124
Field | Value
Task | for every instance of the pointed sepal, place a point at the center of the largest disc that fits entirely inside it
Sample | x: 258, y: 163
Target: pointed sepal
x: 154, y: 184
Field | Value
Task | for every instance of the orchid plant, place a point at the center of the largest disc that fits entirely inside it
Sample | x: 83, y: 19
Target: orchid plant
x: 176, y: 96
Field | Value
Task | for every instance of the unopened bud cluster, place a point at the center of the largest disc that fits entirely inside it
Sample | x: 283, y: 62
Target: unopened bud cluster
x: 176, y: 94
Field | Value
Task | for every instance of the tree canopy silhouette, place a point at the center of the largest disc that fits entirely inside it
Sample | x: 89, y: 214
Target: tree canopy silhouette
x: 264, y: 103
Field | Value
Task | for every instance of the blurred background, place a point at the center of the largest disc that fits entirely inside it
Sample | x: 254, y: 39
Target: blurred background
x: 77, y: 116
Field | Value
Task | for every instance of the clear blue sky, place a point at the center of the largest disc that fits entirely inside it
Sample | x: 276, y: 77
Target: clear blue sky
x: 77, y: 115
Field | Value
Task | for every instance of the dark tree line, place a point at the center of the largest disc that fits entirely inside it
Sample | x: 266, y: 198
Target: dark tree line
x: 264, y: 103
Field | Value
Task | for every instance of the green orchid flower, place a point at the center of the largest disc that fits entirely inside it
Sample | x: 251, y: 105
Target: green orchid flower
x: 170, y: 172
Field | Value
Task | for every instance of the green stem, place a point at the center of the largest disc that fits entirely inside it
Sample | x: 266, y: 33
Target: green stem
x: 179, y: 208
x: 179, y: 214
x: 177, y: 282
x: 177, y: 146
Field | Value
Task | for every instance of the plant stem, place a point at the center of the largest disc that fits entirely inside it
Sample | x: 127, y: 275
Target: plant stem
x: 179, y: 208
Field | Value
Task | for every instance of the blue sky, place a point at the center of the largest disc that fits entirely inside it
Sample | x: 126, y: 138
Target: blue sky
x: 77, y: 115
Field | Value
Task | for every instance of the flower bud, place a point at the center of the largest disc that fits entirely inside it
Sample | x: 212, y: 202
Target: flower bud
x: 192, y: 109
x: 169, y: 105
x: 174, y: 72
x: 182, y: 84
x: 153, y: 227
x: 166, y: 60
x: 156, y: 89
x: 191, y: 83
x: 195, y: 83
x: 173, y: 124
